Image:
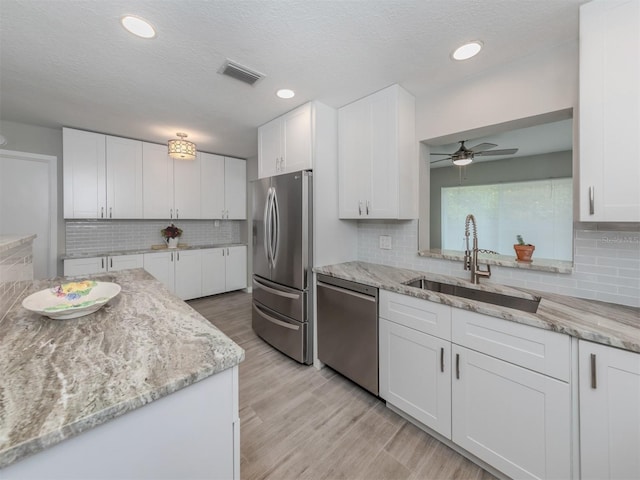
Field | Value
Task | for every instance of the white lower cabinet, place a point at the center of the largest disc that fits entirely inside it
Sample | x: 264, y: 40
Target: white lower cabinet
x: 516, y: 420
x: 498, y: 389
x: 74, y: 267
x: 609, y: 380
x: 199, y: 272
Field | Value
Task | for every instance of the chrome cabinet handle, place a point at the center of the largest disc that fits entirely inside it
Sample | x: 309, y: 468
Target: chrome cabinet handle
x: 592, y: 208
x: 171, y: 213
x: 275, y: 320
x: 101, y: 212
x: 172, y: 256
x: 102, y: 262
x: 457, y: 366
x: 110, y: 213
x: 442, y: 359
x: 594, y: 380
x: 177, y: 213
x: 367, y: 205
x: 360, y: 207
x: 110, y: 262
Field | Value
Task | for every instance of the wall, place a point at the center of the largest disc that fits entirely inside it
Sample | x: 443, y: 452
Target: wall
x: 103, y: 236
x: 606, y: 258
x: 46, y: 141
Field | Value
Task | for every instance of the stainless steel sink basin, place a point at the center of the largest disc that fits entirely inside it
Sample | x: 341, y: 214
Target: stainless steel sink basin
x: 523, y: 304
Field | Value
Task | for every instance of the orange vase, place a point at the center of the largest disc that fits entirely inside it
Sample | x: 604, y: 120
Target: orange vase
x: 524, y: 252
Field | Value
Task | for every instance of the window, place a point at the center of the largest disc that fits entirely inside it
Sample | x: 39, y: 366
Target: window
x: 540, y: 210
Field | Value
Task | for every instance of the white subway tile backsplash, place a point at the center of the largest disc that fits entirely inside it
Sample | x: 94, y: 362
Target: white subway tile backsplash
x: 99, y: 236
x: 606, y: 263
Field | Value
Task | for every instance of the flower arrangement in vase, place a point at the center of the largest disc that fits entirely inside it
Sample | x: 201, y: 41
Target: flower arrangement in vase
x: 171, y: 234
x: 524, y: 251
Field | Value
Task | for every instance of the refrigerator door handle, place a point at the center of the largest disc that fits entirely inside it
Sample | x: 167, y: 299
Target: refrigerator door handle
x: 275, y: 320
x: 276, y: 225
x: 267, y: 227
x: 261, y: 285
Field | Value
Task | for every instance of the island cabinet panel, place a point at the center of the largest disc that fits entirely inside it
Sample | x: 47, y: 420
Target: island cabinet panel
x: 610, y: 111
x: 191, y: 433
x: 377, y: 156
x: 609, y: 382
x: 516, y: 420
x: 285, y: 143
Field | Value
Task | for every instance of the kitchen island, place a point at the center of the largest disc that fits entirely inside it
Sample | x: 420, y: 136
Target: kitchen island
x: 70, y: 390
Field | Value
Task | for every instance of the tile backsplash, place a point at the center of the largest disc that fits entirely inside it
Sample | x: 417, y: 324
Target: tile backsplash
x: 99, y: 236
x: 606, y: 263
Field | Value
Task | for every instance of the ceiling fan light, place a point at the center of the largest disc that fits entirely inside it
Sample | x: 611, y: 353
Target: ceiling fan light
x: 461, y: 162
x: 181, y: 149
x: 467, y: 50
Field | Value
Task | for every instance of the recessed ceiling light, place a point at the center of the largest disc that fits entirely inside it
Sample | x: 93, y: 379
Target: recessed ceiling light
x: 138, y: 26
x: 467, y: 50
x: 285, y: 93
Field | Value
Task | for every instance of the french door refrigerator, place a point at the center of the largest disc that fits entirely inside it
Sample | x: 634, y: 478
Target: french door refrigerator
x: 282, y: 262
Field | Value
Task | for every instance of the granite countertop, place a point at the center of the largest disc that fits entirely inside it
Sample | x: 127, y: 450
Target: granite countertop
x: 8, y: 242
x: 61, y: 377
x: 600, y: 322
x: 149, y: 250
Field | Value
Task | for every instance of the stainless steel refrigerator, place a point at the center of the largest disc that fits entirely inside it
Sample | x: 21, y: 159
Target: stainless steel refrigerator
x: 282, y: 262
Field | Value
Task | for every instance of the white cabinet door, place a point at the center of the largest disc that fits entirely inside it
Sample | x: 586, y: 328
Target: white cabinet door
x: 415, y: 374
x: 125, y: 262
x: 354, y: 154
x: 610, y: 111
x: 161, y: 266
x: 157, y: 189
x: 124, y: 178
x: 186, y: 189
x: 236, y: 268
x: 213, y: 271
x: 269, y: 148
x: 297, y: 140
x: 213, y: 185
x: 84, y: 174
x: 609, y: 412
x: 516, y: 420
x: 188, y: 275
x: 74, y: 267
x: 235, y: 188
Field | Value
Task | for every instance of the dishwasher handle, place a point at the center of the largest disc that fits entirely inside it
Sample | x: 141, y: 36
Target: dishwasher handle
x: 362, y: 296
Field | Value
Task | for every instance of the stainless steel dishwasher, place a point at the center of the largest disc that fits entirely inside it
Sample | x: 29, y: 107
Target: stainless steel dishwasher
x: 348, y: 329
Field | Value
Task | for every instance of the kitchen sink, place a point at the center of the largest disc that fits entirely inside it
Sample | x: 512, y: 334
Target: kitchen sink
x: 524, y: 304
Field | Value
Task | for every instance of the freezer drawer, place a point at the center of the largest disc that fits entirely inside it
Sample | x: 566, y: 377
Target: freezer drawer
x: 287, y: 301
x: 285, y: 334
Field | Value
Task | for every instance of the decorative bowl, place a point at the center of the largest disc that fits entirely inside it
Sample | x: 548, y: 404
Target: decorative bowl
x: 72, y: 299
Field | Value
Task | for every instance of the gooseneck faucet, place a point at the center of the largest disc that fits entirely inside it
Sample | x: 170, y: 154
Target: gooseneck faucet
x: 471, y: 256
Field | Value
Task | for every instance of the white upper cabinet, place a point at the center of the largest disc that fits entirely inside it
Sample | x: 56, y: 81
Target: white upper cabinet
x: 285, y: 143
x: 610, y: 111
x: 102, y: 175
x: 377, y: 156
x: 609, y: 412
x: 124, y: 178
x: 157, y: 181
x: 186, y: 189
x: 223, y: 185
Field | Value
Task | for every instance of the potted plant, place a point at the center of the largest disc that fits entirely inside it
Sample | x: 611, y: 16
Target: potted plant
x: 171, y: 235
x: 524, y: 251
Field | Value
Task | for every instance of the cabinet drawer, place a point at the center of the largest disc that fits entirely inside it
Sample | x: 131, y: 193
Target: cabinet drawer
x: 422, y: 315
x: 537, y: 349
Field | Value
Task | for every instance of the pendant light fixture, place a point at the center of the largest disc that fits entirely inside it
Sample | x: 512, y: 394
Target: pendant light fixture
x: 182, y: 149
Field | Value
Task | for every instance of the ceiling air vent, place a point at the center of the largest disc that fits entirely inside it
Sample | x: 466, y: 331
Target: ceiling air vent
x: 240, y: 72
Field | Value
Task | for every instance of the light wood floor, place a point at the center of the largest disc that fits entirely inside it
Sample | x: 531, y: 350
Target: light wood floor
x: 301, y: 423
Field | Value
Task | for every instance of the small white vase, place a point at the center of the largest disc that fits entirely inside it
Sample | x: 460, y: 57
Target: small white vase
x: 172, y: 242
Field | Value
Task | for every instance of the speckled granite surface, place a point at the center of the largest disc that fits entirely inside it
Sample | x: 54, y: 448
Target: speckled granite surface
x: 61, y: 377
x: 149, y: 250
x: 10, y: 241
x: 600, y: 322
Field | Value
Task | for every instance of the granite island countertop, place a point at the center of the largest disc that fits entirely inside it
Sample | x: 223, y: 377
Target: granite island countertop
x: 61, y: 377
x: 606, y: 323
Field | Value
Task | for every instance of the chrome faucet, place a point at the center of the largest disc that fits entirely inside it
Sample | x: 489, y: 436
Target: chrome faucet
x: 471, y: 256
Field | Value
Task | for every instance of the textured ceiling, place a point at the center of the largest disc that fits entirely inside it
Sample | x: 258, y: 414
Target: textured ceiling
x: 70, y: 63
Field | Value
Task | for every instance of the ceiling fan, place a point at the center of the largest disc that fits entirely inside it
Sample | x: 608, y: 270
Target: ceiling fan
x: 464, y: 156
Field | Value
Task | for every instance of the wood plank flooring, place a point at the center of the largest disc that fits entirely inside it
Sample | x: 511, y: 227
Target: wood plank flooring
x: 300, y: 423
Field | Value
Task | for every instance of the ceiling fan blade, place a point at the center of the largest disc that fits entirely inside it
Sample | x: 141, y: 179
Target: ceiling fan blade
x: 506, y: 151
x: 483, y: 146
x: 447, y: 154
x: 441, y: 160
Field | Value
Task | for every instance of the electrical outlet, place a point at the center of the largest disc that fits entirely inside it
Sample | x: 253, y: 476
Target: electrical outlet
x: 385, y: 242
